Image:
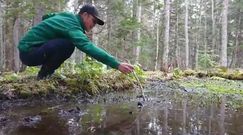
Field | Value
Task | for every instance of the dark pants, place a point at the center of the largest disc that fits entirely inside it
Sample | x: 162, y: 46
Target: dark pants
x: 50, y: 55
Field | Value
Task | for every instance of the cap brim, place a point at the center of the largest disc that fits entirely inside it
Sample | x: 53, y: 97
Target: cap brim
x: 99, y: 21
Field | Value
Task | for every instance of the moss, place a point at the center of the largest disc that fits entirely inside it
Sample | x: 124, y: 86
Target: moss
x: 201, y: 74
x: 214, y: 85
x: 231, y: 74
x: 25, y: 94
x: 189, y: 72
x: 24, y: 86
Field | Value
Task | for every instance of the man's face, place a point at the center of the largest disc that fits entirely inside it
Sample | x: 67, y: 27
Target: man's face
x: 89, y: 21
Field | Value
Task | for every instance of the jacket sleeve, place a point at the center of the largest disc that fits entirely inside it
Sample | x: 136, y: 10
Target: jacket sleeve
x: 82, y: 42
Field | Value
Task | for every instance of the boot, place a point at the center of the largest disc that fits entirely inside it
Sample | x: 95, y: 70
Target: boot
x: 44, y: 73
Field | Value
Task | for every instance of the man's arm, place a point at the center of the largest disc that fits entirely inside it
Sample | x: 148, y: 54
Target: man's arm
x: 82, y: 42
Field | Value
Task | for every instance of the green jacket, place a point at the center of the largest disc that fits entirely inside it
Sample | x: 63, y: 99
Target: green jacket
x: 69, y: 26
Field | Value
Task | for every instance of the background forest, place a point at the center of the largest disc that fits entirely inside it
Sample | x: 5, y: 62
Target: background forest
x: 154, y: 33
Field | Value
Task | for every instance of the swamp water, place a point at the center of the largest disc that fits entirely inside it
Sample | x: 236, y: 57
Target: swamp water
x: 166, y: 111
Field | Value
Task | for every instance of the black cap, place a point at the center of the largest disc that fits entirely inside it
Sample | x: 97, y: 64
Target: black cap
x: 93, y: 11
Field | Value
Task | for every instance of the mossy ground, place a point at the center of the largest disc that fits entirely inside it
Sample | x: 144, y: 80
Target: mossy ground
x: 88, y: 77
x: 213, y: 84
x: 19, y: 85
x: 217, y: 80
x: 95, y: 81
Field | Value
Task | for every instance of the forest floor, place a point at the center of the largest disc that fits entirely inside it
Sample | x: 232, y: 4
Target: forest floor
x: 21, y: 86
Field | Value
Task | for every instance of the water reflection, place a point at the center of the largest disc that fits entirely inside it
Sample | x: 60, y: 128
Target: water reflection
x: 166, y: 113
x: 222, y: 116
x: 48, y: 126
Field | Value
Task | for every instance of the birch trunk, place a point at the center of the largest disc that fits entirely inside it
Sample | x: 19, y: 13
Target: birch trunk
x: 223, y: 57
x: 198, y: 35
x: 167, y: 36
x: 205, y: 40
x: 2, y: 55
x: 178, y: 59
x: 213, y: 29
x: 157, y: 46
x: 138, y: 48
x: 186, y: 35
x: 134, y: 33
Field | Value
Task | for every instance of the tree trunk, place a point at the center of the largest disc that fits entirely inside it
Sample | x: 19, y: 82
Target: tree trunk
x: 157, y: 46
x: 138, y: 48
x: 2, y: 54
x: 109, y: 24
x: 39, y: 11
x: 235, y: 63
x: 223, y: 57
x: 166, y: 37
x: 134, y: 33
x: 178, y: 58
x: 186, y: 35
x: 205, y: 41
x: 9, y: 44
x: 95, y: 38
x: 177, y: 47
x: 16, y: 37
x: 198, y: 35
x: 213, y: 29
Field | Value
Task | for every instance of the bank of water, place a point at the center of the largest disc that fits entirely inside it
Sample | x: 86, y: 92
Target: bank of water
x: 167, y: 109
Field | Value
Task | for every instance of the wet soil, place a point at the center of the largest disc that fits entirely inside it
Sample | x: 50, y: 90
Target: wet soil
x: 168, y: 109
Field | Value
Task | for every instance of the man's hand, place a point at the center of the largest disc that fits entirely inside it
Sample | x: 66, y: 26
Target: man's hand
x: 125, y: 68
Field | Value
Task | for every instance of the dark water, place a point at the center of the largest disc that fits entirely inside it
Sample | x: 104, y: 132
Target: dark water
x: 163, y: 113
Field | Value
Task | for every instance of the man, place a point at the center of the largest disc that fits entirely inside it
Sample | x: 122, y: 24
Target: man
x: 53, y: 40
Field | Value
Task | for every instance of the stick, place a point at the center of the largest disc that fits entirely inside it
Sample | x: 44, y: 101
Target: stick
x: 140, y: 85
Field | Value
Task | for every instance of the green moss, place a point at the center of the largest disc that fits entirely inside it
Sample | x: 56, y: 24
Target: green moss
x: 177, y: 73
x: 25, y: 94
x: 189, y: 72
x: 215, y: 85
x: 92, y: 79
